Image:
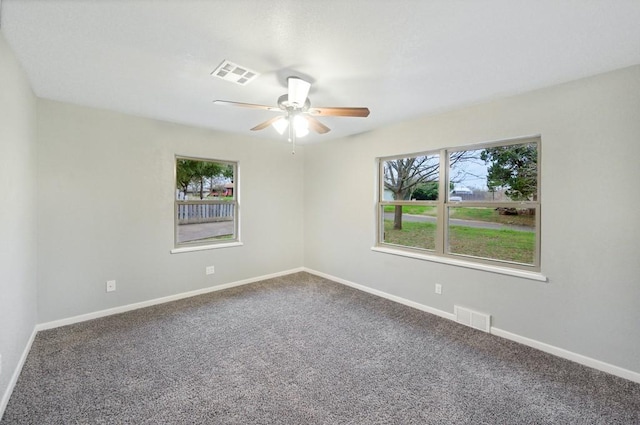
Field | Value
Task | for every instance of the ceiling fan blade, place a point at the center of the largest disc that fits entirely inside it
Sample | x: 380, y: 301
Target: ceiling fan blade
x: 339, y: 112
x: 298, y: 89
x: 246, y: 105
x: 317, y: 126
x: 266, y: 124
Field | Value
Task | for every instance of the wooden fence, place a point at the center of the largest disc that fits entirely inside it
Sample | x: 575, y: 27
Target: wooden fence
x: 199, y: 212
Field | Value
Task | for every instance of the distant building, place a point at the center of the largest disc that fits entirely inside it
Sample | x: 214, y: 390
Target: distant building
x: 228, y: 189
x: 461, y: 190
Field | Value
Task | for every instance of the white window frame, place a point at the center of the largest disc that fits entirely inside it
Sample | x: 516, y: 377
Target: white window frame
x: 189, y: 246
x: 441, y: 252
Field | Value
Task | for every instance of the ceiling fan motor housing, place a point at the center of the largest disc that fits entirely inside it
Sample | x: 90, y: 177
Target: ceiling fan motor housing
x: 297, y: 91
x: 284, y: 104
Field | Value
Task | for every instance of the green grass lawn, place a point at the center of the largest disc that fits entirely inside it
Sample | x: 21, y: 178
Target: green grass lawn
x: 503, y: 244
x: 469, y: 213
x: 506, y: 245
x: 413, y: 234
x: 413, y: 209
x: 491, y: 215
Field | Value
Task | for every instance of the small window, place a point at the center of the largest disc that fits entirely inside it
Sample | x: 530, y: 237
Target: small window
x: 479, y: 203
x: 410, y: 193
x: 206, y: 205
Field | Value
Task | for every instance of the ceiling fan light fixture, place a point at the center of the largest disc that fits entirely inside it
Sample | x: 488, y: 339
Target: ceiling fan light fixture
x: 301, y: 126
x: 281, y: 125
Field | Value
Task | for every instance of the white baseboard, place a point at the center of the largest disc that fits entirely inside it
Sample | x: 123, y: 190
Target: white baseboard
x: 16, y: 373
x: 547, y: 348
x: 569, y: 355
x: 149, y: 303
x: 382, y: 294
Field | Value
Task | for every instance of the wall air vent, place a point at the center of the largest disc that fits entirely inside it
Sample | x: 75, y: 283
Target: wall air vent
x: 230, y: 71
x: 475, y: 319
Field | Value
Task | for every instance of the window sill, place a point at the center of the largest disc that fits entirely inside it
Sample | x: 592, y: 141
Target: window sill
x: 467, y: 264
x: 205, y: 247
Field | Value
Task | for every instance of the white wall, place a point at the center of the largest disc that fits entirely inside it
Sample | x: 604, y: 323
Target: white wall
x: 590, y: 205
x: 17, y: 215
x: 104, y: 186
x: 106, y: 191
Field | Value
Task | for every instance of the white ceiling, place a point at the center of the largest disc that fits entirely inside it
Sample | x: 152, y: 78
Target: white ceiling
x: 400, y: 58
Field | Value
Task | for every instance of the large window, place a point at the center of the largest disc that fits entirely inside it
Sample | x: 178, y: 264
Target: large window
x: 206, y: 205
x: 478, y: 203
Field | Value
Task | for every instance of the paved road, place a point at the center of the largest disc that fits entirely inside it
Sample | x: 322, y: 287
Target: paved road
x: 458, y: 222
x: 196, y: 231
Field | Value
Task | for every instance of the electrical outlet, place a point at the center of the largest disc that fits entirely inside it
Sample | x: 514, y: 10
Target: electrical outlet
x: 438, y: 289
x: 210, y: 270
x: 111, y: 285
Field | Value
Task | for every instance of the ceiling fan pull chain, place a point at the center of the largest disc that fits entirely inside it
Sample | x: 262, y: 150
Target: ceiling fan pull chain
x: 292, y: 132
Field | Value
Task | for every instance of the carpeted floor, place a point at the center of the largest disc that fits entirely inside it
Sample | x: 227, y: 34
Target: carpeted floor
x: 302, y: 350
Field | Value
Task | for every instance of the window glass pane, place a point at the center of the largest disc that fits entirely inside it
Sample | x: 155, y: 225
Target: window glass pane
x: 411, y: 178
x: 500, y: 174
x: 203, y: 179
x: 505, y: 234
x: 412, y: 226
x: 206, y: 209
x: 204, y: 222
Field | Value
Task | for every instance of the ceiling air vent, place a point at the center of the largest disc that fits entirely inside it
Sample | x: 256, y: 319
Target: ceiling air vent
x: 230, y: 71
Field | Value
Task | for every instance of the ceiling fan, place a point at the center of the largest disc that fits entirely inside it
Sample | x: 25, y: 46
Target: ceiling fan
x: 298, y: 116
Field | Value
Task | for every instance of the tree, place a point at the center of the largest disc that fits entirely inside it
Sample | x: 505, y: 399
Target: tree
x: 514, y: 168
x: 403, y: 176
x: 184, y: 174
x: 191, y: 171
x: 426, y: 191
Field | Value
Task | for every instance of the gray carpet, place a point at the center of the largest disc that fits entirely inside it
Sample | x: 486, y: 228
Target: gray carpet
x: 302, y: 350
